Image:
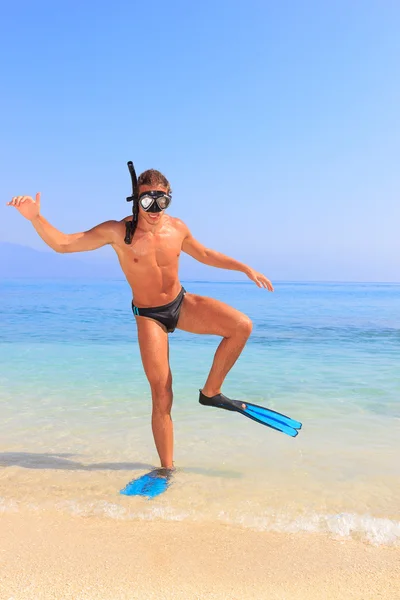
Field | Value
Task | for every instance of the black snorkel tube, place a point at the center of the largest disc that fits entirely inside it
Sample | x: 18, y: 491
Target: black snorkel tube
x: 131, y: 225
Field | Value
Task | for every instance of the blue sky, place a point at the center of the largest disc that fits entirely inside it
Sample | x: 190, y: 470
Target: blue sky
x: 278, y: 124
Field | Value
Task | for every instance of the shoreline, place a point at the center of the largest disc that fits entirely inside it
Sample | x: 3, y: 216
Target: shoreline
x: 47, y: 555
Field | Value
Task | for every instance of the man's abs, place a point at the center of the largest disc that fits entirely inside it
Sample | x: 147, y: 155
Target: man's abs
x: 151, y: 284
x: 150, y: 264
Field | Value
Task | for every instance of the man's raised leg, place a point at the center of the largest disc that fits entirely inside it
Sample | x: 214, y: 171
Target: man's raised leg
x: 204, y: 315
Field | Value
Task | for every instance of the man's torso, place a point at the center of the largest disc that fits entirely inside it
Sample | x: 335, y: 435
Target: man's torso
x: 150, y: 263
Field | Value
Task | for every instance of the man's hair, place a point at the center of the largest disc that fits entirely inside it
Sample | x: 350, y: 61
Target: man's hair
x: 153, y: 177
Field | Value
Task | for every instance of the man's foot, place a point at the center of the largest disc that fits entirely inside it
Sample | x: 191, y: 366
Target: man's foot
x: 166, y: 472
x: 210, y: 392
x: 215, y: 400
x: 260, y: 414
x: 151, y: 484
x: 220, y: 401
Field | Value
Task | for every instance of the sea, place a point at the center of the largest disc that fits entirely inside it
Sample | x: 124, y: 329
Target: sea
x: 75, y: 409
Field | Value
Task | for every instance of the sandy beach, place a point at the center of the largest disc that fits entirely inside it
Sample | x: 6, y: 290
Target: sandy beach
x: 48, y: 555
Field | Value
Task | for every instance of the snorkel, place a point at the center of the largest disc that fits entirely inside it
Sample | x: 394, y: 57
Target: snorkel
x: 151, y: 201
x: 131, y: 225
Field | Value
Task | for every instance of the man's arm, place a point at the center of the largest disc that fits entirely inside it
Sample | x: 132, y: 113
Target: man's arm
x: 215, y: 259
x: 62, y: 242
x: 211, y: 257
x: 94, y: 238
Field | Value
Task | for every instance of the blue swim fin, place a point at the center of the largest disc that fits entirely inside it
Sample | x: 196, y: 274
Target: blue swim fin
x: 260, y: 414
x: 150, y: 485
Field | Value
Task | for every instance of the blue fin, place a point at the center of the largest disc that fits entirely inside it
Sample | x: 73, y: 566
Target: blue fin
x: 267, y: 419
x: 150, y: 485
x: 267, y: 413
x: 260, y: 414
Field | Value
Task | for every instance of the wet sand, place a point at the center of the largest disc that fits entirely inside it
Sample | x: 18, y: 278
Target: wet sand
x: 48, y: 555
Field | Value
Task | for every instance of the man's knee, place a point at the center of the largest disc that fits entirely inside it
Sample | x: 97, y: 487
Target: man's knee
x: 244, y: 326
x: 161, y: 392
x: 162, y: 406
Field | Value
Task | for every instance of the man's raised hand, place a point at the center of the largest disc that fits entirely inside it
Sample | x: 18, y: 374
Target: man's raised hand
x: 27, y: 206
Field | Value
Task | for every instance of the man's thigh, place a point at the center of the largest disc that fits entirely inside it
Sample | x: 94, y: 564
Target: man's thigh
x: 200, y: 314
x: 154, y: 350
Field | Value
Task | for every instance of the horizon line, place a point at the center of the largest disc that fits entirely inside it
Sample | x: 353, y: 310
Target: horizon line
x: 225, y: 282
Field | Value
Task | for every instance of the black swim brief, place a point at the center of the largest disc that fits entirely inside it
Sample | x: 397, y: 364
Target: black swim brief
x: 167, y: 315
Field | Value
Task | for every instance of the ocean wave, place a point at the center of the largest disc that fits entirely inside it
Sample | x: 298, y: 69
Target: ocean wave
x: 376, y: 531
x: 366, y: 528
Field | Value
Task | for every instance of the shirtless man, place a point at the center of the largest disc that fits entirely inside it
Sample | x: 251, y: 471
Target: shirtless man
x: 149, y: 258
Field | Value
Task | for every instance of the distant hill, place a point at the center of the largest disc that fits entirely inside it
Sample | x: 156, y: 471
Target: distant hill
x: 17, y: 261
x: 20, y: 261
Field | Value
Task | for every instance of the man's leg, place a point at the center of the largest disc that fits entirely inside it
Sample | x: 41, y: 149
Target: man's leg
x: 153, y: 342
x: 208, y: 316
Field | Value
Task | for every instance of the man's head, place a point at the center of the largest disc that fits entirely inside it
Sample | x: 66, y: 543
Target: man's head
x: 152, y: 181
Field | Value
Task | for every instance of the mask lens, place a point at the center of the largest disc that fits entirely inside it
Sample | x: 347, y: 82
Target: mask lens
x: 163, y: 202
x: 146, y: 202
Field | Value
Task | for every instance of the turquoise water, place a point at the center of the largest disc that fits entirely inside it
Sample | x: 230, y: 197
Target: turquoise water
x: 75, y: 407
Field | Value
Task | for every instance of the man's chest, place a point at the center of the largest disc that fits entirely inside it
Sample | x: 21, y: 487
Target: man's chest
x: 160, y: 250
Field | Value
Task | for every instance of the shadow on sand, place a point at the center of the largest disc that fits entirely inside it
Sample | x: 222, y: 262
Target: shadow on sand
x: 64, y: 461
x: 28, y: 460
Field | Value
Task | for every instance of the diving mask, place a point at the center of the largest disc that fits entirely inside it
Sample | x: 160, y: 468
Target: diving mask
x: 154, y: 201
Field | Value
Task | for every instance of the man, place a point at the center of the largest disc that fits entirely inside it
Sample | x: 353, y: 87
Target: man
x: 148, y: 245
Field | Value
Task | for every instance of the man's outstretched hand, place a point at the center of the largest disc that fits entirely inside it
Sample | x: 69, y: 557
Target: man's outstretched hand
x: 260, y: 280
x: 27, y: 206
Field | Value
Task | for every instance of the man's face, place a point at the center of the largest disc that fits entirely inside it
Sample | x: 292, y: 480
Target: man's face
x: 151, y: 217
